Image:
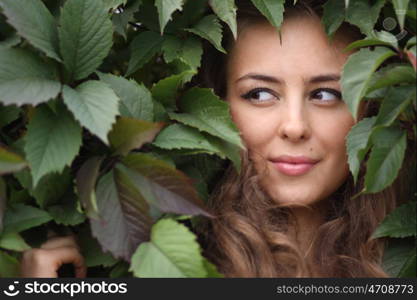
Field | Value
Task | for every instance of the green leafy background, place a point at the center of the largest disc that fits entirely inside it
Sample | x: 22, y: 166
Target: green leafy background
x: 93, y: 141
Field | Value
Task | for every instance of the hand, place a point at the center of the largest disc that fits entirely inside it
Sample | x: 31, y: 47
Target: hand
x: 45, y: 261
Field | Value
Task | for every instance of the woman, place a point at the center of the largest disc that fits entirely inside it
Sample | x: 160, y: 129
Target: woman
x: 289, y: 212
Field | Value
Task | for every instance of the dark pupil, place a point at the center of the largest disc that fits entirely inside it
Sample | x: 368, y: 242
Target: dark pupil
x: 319, y: 95
x: 256, y: 95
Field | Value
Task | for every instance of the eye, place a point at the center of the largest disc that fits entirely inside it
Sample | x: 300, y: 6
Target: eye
x: 259, y: 95
x: 326, y: 95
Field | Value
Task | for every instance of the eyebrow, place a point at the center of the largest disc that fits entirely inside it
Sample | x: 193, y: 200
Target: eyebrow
x: 272, y: 79
x: 261, y: 77
x: 324, y: 78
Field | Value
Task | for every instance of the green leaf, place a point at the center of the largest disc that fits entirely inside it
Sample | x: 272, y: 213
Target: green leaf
x: 172, y: 252
x: 357, y: 73
x: 211, y: 270
x: 198, y: 181
x: 122, y: 17
x: 10, y: 41
x: 209, y: 28
x: 226, y: 11
x: 411, y: 42
x: 8, y: 114
x: 94, y: 105
x: 34, y: 22
x: 160, y: 113
x: 210, y: 166
x: 273, y: 10
x: 86, y: 180
x: 192, y: 51
x: 52, y: 142
x: 25, y: 179
x: 171, y: 47
x: 9, y: 265
x: 165, y: 10
x: 120, y: 270
x: 13, y: 241
x: 25, y: 78
x: 3, y: 201
x: 66, y: 213
x: 188, y: 51
x: 178, y: 136
x: 161, y: 185
x: 51, y: 188
x: 333, y: 16
x: 128, y: 134
x: 358, y: 144
x: 206, y: 112
x: 400, y: 7
x: 20, y: 217
x: 385, y: 159
x: 364, y: 15
x: 19, y: 196
x: 387, y: 37
x: 91, y: 250
x: 365, y: 43
x: 86, y: 36
x: 394, y: 103
x: 124, y: 217
x: 411, y: 12
x: 148, y: 16
x: 111, y: 4
x: 409, y: 267
x: 392, y: 75
x: 382, y: 38
x: 192, y: 12
x: 143, y: 47
x: 135, y: 99
x: 165, y: 91
x: 10, y: 162
x: 400, y: 223
x: 396, y: 254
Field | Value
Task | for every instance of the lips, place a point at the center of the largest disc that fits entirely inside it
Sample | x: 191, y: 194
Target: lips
x: 294, y: 165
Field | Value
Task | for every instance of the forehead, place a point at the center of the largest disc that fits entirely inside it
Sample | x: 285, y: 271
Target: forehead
x: 301, y: 48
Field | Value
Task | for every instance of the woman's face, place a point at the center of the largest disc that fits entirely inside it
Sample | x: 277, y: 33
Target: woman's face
x: 285, y: 99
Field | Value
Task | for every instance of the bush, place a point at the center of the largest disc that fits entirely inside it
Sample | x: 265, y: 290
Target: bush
x: 93, y: 141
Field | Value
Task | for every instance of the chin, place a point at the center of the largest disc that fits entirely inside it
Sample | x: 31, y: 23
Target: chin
x: 295, y: 197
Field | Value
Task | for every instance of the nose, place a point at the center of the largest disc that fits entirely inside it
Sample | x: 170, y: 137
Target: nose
x: 295, y: 123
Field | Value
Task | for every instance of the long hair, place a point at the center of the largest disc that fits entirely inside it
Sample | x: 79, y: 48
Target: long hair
x: 249, y: 236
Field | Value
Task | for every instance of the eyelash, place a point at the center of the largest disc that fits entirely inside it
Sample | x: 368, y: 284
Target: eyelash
x: 249, y: 95
x: 335, y: 93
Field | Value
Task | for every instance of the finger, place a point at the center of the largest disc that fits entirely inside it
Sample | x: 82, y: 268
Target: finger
x: 69, y: 255
x: 81, y: 271
x: 59, y: 242
x: 37, y: 263
x: 43, y: 263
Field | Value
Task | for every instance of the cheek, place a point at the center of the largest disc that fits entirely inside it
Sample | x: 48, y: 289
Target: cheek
x: 256, y: 129
x: 334, y: 137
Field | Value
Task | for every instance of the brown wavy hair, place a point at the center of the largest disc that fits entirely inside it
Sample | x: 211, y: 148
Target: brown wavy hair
x: 250, y: 235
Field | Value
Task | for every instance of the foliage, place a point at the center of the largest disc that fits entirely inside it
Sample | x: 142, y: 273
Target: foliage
x: 99, y: 132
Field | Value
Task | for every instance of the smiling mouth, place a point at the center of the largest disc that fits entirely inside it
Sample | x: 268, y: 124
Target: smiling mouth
x: 294, y: 165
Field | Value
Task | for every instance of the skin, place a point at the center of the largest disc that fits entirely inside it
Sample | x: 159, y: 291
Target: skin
x: 294, y: 109
x: 284, y: 98
x: 45, y: 261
